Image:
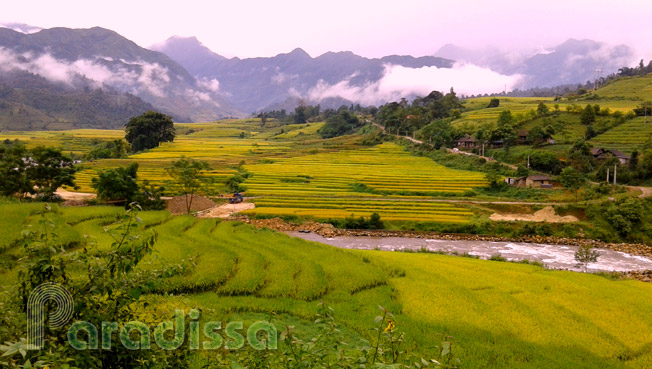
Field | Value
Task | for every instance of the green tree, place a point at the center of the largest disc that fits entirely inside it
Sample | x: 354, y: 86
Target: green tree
x: 148, y: 130
x: 48, y: 170
x: 542, y: 109
x: 342, y: 123
x: 13, y: 169
x: 586, y: 254
x: 493, y: 103
x: 580, y: 157
x: 117, y: 184
x: 587, y: 116
x: 189, y: 174
x: 590, y: 132
x: 572, y: 179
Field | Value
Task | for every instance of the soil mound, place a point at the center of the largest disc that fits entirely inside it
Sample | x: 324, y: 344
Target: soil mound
x: 177, y: 205
x: 546, y: 214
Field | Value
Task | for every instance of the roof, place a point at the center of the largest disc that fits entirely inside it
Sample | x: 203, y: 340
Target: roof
x: 538, y: 177
x: 523, y: 132
x: 466, y: 139
x: 596, y: 152
x: 619, y: 154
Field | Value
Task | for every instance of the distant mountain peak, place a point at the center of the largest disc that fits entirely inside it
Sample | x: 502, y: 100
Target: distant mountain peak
x: 21, y: 27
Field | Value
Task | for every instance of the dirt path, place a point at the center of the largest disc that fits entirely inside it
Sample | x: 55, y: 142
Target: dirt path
x: 546, y: 214
x: 645, y: 191
x: 225, y: 210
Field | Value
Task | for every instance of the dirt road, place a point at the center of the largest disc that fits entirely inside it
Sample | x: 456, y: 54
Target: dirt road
x: 225, y: 210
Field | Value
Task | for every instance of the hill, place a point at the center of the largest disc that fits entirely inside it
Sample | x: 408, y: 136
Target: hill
x: 106, y: 59
x: 31, y: 102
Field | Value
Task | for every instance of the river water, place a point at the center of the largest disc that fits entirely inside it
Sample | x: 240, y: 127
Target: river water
x: 553, y: 256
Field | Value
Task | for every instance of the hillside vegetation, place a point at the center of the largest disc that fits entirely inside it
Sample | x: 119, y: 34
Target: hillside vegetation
x: 500, y: 314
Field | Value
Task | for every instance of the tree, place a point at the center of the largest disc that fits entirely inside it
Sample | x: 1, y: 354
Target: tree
x: 572, y: 179
x: 587, y: 116
x: 13, y: 169
x: 590, y: 132
x: 493, y: 103
x: 542, y: 109
x: 340, y: 124
x: 117, y: 184
x: 580, y: 157
x: 49, y: 169
x: 148, y: 130
x: 189, y: 175
x: 585, y: 254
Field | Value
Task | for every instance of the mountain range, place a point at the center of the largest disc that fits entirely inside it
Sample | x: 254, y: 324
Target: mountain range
x: 63, y: 78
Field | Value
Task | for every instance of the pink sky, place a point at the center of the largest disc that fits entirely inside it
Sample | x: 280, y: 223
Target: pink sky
x: 369, y: 28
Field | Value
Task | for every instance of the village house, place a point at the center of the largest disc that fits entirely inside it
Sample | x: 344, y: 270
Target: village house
x: 533, y: 181
x: 465, y: 143
x: 522, y: 136
x: 601, y: 154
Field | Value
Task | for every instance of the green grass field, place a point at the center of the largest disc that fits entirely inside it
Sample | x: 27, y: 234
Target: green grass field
x: 501, y: 315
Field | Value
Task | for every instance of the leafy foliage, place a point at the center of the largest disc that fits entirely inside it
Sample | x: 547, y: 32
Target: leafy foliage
x: 148, y: 130
x: 189, y: 175
x: 339, y: 124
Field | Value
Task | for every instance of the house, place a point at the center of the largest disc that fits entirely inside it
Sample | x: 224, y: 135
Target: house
x: 621, y: 156
x: 522, y: 136
x: 498, y: 144
x: 465, y: 143
x: 534, y: 181
x: 604, y: 154
x: 538, y: 181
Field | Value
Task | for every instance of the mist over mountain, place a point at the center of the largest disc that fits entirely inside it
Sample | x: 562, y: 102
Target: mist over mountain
x: 574, y: 61
x: 106, y: 59
x: 64, y: 77
x: 257, y: 83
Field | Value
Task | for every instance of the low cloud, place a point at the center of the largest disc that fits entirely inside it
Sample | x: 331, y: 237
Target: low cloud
x: 212, y: 85
x: 134, y: 77
x: 399, y: 81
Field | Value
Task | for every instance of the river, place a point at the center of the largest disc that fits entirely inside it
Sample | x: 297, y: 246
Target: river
x: 553, y: 256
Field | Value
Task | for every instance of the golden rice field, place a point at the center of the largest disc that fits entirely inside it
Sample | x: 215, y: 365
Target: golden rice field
x: 324, y: 185
x: 294, y: 171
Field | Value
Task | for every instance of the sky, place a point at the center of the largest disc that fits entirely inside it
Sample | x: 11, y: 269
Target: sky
x: 377, y: 28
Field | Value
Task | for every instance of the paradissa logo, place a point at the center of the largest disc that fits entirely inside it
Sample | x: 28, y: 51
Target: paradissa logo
x: 211, y: 339
x: 62, y: 305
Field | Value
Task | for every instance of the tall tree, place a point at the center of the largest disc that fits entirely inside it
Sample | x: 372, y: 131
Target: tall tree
x: 189, y: 174
x: 588, y: 115
x: 49, y: 169
x: 13, y: 175
x: 117, y: 184
x: 572, y: 179
x: 148, y: 130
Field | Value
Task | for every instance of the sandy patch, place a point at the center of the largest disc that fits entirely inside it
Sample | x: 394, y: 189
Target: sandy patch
x: 177, y: 205
x: 546, y: 214
x: 225, y: 210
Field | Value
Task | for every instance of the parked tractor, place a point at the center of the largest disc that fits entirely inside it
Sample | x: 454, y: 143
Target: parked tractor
x: 236, y: 198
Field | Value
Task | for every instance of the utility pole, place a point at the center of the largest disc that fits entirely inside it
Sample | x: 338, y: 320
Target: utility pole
x: 607, y: 175
x: 528, y: 161
x: 615, y: 172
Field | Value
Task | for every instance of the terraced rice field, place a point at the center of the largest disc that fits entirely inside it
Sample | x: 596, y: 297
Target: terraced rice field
x: 352, y: 182
x: 501, y: 315
x: 627, y: 137
x: 517, y: 105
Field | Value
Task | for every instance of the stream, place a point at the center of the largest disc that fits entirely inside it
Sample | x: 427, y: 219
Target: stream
x: 553, y: 256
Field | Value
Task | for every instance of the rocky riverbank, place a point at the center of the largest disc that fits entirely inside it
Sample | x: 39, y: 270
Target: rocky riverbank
x: 328, y: 231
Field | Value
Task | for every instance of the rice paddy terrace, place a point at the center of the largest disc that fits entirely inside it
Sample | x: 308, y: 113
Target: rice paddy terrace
x: 294, y: 171
x: 500, y: 314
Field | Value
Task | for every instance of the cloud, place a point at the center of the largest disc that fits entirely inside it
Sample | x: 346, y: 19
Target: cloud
x: 130, y: 76
x: 212, y: 85
x: 399, y: 81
